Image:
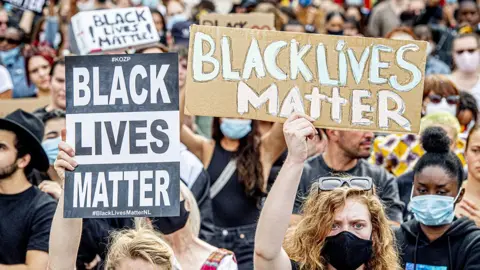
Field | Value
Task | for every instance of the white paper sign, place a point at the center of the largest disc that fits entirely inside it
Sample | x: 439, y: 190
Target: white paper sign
x: 113, y: 29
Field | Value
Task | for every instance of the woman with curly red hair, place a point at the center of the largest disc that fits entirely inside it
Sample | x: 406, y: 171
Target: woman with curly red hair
x: 38, y: 62
x: 344, y: 225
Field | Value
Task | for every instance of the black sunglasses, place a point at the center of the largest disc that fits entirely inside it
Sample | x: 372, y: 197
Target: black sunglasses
x: 452, y: 100
x: 331, y: 183
x: 10, y: 41
x: 466, y: 50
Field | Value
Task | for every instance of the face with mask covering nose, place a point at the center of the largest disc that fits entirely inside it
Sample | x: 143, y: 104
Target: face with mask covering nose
x: 234, y: 128
x: 334, y: 23
x: 437, y: 177
x: 53, y: 129
x: 466, y: 54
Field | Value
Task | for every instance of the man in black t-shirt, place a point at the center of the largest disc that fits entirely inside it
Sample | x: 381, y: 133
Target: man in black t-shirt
x: 345, y: 154
x: 26, y: 213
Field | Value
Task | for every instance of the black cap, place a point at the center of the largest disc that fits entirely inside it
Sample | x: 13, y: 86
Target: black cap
x: 181, y: 32
x: 31, y: 129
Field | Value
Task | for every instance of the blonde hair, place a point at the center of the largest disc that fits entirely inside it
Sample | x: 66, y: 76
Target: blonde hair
x: 139, y: 243
x: 305, y: 242
x: 193, y: 222
x: 441, y: 118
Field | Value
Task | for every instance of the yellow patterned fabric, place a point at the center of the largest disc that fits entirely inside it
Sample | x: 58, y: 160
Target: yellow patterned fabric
x: 398, y: 153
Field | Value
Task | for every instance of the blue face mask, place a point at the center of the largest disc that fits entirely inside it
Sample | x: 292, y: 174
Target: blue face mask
x: 235, y: 128
x: 175, y: 19
x: 433, y: 210
x: 10, y: 56
x: 51, y: 148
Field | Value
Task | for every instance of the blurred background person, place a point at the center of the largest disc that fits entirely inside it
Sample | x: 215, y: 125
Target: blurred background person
x: 385, y: 17
x: 466, y: 56
x: 434, y: 65
x: 398, y: 153
x: 6, y: 84
x: 470, y: 205
x: 38, y: 63
x: 334, y: 23
x: 12, y: 58
x: 352, y: 28
x: 57, y: 89
x: 189, y: 250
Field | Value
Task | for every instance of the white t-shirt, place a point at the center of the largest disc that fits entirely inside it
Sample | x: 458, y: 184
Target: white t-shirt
x: 5, y: 80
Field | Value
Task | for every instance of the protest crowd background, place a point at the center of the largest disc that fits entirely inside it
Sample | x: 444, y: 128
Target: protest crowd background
x: 252, y: 194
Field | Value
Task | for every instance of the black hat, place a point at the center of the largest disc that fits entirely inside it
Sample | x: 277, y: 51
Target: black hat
x: 31, y: 129
x: 181, y: 32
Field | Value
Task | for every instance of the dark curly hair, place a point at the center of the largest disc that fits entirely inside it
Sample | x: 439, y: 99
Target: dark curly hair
x: 436, y: 143
x: 249, y: 166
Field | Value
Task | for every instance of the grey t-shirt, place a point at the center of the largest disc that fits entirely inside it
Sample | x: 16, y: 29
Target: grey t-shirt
x: 385, y: 184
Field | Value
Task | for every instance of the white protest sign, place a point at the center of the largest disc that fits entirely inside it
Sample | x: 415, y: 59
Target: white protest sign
x: 113, y: 29
x: 32, y: 5
x: 123, y: 123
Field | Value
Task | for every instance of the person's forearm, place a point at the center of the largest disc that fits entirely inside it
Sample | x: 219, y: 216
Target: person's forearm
x: 64, y: 240
x: 26, y: 22
x: 275, y: 216
x: 14, y: 267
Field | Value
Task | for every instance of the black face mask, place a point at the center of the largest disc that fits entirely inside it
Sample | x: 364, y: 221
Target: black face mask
x: 335, y: 33
x: 345, y: 251
x: 169, y: 225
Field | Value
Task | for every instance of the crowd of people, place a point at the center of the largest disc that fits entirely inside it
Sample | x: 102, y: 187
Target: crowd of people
x: 254, y: 194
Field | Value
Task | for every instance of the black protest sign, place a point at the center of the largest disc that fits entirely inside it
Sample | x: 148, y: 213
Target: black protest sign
x: 123, y: 122
x: 32, y: 5
x: 113, y: 29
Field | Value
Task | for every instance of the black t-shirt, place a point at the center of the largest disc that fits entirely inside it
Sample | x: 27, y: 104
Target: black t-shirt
x: 25, y: 221
x: 231, y: 206
x: 385, y: 184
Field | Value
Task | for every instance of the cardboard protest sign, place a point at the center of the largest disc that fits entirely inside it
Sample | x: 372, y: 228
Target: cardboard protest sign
x: 123, y: 123
x: 113, y: 29
x: 27, y: 104
x: 32, y: 5
x: 342, y: 82
x: 262, y: 21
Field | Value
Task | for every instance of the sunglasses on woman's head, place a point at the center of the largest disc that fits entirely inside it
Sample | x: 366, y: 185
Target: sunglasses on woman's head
x: 452, y: 100
x: 331, y: 183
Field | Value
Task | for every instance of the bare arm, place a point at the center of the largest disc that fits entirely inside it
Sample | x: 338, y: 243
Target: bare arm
x: 278, y: 207
x: 194, y: 142
x: 6, y: 95
x: 66, y: 233
x: 35, y: 259
x: 273, y: 143
x: 26, y: 22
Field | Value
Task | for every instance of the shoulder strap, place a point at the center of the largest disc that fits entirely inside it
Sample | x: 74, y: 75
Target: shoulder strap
x: 215, y: 259
x: 223, y: 178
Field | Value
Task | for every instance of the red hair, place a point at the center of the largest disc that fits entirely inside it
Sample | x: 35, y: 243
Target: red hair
x: 402, y: 29
x: 42, y: 50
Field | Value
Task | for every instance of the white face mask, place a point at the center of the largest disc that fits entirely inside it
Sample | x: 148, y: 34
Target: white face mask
x: 443, y: 106
x: 85, y: 6
x: 429, y: 48
x: 467, y: 61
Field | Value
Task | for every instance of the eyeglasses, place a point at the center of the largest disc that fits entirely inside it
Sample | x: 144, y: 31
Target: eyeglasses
x: 10, y: 41
x: 452, y: 100
x: 466, y: 50
x: 331, y: 183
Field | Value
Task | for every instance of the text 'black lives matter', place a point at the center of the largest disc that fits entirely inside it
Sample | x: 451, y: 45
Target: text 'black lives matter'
x: 123, y: 122
x: 32, y: 5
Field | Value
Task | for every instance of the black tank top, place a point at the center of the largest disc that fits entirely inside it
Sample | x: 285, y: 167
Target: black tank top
x: 231, y: 206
